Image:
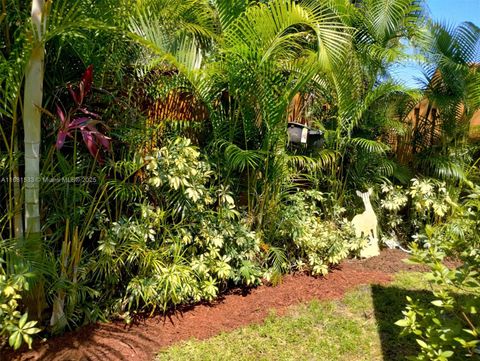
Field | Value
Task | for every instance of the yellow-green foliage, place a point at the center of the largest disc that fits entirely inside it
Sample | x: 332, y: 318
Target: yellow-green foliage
x: 185, y: 241
x: 317, y: 242
x: 14, y: 324
x: 425, y: 201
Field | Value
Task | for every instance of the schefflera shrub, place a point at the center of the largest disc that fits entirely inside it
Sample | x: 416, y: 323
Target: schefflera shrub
x: 185, y: 241
x: 315, y: 240
x: 14, y: 324
x: 448, y: 328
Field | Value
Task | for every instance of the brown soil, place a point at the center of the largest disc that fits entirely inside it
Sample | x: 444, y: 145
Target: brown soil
x: 390, y: 260
x: 140, y: 342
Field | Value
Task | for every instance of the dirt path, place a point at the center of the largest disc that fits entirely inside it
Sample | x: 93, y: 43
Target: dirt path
x: 140, y: 342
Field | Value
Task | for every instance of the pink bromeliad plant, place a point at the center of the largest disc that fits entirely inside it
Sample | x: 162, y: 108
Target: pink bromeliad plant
x: 79, y: 118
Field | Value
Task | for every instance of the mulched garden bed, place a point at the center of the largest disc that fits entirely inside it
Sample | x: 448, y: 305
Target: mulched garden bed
x: 141, y: 341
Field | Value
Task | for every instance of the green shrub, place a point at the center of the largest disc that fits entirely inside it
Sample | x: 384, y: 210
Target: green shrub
x: 13, y: 323
x: 314, y: 241
x: 406, y: 211
x: 449, y: 327
x: 184, y: 241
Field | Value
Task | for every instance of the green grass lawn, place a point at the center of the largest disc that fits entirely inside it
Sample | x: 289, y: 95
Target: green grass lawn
x: 358, y: 328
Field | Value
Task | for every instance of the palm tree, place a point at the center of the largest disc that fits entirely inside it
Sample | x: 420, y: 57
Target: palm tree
x: 264, y: 55
x: 12, y: 65
x: 271, y: 53
x: 362, y: 98
x: 451, y: 88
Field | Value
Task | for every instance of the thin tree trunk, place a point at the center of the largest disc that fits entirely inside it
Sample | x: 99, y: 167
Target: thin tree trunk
x: 31, y: 120
x: 33, y: 96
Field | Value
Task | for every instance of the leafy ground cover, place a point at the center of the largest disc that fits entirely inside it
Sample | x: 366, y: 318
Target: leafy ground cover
x: 358, y: 327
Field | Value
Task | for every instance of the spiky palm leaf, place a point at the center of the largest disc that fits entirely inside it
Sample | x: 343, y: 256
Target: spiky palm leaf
x: 241, y: 159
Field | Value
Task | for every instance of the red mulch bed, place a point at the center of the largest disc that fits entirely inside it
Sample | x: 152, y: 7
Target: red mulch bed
x: 116, y: 341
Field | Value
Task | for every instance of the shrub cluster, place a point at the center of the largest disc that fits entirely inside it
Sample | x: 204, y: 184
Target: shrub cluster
x: 448, y: 328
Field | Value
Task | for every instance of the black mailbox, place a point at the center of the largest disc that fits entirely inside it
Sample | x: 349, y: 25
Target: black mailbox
x: 299, y: 134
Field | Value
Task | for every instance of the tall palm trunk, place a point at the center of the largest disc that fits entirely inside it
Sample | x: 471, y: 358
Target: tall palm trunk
x: 31, y: 119
x: 33, y: 96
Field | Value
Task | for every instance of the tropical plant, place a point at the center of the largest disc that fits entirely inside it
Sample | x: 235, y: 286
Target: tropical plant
x: 182, y: 242
x: 406, y: 211
x: 13, y: 323
x: 451, y: 87
x: 448, y: 328
x: 313, y: 241
x: 33, y: 102
x: 26, y: 31
x: 276, y: 48
x: 83, y: 120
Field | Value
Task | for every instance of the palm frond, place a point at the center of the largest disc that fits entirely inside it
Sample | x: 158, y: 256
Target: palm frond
x: 369, y: 145
x: 266, y: 31
x: 175, y: 33
x: 229, y: 11
x: 303, y: 163
x: 240, y: 159
x: 386, y: 17
x: 443, y: 167
x: 278, y: 259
